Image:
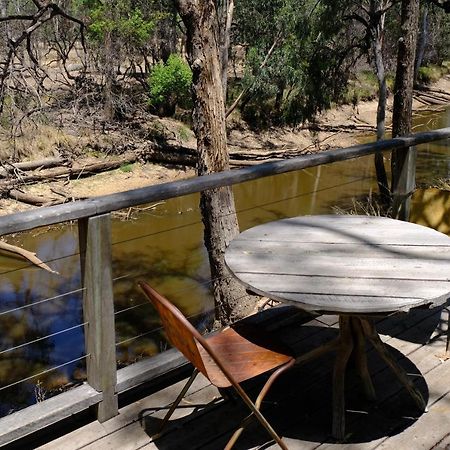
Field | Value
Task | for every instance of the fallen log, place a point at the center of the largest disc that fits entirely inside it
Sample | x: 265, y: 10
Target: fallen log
x: 67, y: 172
x: 170, y: 154
x: 438, y: 92
x: 338, y: 128
x: 46, y: 163
x: 434, y: 98
x: 29, y: 199
x: 30, y: 256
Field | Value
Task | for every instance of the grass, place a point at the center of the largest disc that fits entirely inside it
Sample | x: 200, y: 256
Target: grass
x: 365, y: 206
x: 443, y: 184
x: 126, y: 168
x: 183, y: 133
x: 432, y: 72
x: 364, y: 87
x: 35, y: 142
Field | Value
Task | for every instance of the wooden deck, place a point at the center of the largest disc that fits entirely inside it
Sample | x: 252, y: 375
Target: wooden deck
x: 302, y: 413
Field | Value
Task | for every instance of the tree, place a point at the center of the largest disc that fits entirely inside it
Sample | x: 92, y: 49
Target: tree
x: 24, y: 26
x: 225, y: 16
x: 403, y: 161
x: 295, y: 60
x: 371, y: 15
x: 119, y: 33
x: 217, y: 205
x: 377, y: 13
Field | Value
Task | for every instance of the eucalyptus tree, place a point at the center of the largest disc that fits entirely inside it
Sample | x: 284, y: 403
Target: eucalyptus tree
x: 217, y: 206
x: 121, y: 41
x: 294, y: 55
x: 371, y: 15
x: 403, y: 162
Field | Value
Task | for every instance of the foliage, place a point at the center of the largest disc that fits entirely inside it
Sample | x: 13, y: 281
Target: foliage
x: 125, y: 20
x: 170, y: 84
x: 438, y: 48
x: 294, y: 61
x: 184, y: 133
x: 126, y: 168
x: 431, y: 73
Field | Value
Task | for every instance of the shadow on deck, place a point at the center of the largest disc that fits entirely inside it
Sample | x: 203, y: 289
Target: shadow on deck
x: 302, y: 411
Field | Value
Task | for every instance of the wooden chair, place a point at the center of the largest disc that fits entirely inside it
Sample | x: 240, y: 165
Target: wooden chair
x: 236, y: 354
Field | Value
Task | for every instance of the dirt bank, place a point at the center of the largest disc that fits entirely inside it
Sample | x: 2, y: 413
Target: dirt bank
x: 336, y: 128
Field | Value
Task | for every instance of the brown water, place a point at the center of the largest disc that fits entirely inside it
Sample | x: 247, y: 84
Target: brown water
x: 164, y: 246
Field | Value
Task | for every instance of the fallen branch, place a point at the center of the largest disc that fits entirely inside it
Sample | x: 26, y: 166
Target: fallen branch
x: 30, y: 256
x: 31, y: 165
x: 29, y: 199
x: 70, y: 172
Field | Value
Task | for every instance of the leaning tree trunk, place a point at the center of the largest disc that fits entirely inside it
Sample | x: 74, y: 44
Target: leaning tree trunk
x: 217, y: 205
x: 377, y: 48
x: 403, y: 161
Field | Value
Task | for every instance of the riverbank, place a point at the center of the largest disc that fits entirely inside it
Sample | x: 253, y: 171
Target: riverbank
x: 339, y: 127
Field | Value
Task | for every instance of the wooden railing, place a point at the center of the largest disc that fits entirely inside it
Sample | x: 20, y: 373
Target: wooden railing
x: 104, y: 382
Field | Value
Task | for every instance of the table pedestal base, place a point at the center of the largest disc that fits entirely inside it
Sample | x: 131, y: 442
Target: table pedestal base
x: 353, y: 332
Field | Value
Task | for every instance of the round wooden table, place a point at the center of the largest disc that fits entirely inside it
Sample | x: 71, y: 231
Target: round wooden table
x: 355, y: 266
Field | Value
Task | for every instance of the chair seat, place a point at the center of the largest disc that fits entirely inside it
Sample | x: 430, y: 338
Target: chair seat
x: 246, y: 351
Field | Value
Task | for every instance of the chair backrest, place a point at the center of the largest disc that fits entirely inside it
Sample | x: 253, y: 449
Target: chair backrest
x: 180, y: 333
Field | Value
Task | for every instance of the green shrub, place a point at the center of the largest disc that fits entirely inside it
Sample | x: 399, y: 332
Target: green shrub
x: 431, y: 73
x: 126, y: 168
x: 362, y: 88
x: 170, y: 85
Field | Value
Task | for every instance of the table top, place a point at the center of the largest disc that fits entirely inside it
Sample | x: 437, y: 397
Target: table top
x: 344, y: 264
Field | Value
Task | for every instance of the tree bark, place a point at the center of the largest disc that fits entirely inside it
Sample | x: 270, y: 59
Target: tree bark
x: 377, y: 48
x: 226, y: 19
x: 217, y: 205
x: 402, y: 162
x: 422, y: 41
x: 109, y: 69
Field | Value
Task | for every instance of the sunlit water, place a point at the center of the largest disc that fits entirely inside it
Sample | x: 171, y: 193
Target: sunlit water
x: 164, y: 246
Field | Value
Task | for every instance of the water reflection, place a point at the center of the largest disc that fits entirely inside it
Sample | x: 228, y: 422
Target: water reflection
x: 431, y: 208
x: 164, y: 246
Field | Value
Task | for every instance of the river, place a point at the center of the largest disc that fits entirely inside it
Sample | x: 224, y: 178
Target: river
x: 164, y: 246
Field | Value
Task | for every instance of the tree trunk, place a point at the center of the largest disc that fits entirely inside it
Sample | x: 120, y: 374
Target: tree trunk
x: 109, y: 69
x: 225, y: 18
x: 217, y: 205
x: 377, y: 48
x: 422, y: 42
x: 403, y: 161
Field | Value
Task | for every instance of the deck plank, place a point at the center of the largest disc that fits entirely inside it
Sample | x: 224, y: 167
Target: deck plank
x: 303, y: 413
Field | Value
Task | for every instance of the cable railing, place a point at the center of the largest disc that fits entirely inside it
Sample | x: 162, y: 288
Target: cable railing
x: 95, y: 255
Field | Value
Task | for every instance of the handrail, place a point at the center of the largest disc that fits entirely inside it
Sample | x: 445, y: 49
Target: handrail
x: 28, y: 220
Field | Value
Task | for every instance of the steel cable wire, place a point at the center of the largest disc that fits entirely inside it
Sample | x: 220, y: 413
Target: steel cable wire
x: 25, y: 344
x: 197, y: 222
x: 44, y: 372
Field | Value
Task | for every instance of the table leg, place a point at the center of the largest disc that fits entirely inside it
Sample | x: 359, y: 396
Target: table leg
x: 343, y: 354
x: 372, y: 334
x: 361, y: 358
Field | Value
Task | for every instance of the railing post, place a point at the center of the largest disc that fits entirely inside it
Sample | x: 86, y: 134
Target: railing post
x: 98, y: 310
x: 403, y: 181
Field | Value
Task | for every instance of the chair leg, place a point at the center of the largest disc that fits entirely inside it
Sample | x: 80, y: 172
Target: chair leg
x: 257, y: 406
x: 176, y: 403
